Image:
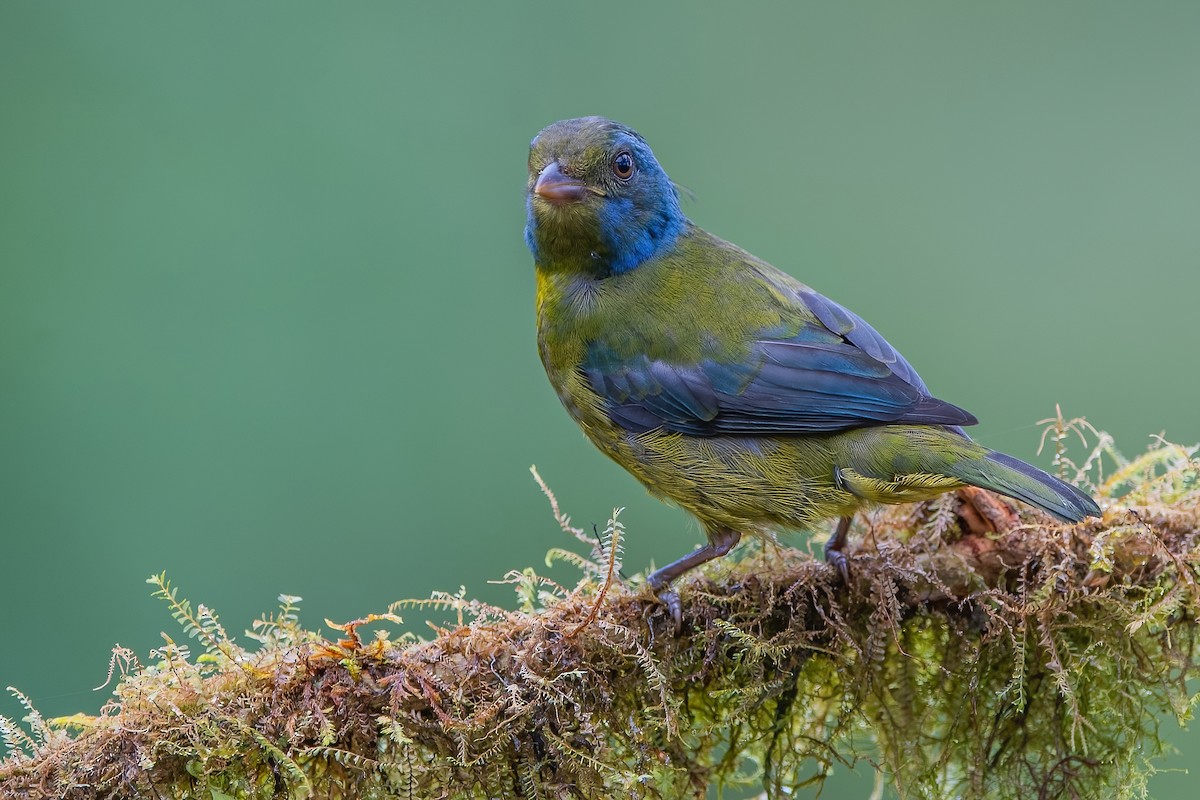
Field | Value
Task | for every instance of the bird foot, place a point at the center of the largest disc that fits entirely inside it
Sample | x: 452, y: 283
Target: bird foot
x: 720, y: 542
x: 670, y: 598
x: 833, y: 549
x: 660, y: 584
x: 837, y: 559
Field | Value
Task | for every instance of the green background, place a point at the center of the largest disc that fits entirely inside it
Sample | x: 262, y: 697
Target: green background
x: 266, y: 317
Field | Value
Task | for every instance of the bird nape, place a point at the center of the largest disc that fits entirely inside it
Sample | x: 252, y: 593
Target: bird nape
x: 721, y: 383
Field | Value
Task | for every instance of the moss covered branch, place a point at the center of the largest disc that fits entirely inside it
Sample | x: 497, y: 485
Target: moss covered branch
x: 979, y: 650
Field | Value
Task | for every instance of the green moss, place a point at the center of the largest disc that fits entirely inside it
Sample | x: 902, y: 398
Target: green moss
x: 1028, y: 660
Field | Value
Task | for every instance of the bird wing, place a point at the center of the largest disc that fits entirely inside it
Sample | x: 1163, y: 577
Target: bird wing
x: 836, y: 373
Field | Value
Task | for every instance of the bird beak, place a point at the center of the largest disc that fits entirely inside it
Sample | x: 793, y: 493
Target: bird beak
x: 554, y: 187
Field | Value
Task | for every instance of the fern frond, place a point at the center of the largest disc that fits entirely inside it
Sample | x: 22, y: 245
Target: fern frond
x: 201, y: 624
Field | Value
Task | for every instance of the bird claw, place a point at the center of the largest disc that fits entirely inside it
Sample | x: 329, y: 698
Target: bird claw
x: 670, y: 598
x: 837, y: 559
x: 833, y: 549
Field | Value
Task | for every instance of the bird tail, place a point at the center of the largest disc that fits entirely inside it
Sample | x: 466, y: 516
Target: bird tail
x: 1025, y: 482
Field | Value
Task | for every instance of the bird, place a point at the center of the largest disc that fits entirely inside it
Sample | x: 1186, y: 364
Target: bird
x: 722, y: 384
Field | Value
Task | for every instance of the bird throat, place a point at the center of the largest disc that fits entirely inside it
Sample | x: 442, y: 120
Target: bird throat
x: 558, y: 248
x: 599, y: 244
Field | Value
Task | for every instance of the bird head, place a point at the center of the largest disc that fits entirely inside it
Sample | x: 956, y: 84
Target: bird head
x: 597, y: 199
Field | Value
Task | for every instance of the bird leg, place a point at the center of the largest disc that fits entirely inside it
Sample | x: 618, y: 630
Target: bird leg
x: 834, y: 545
x: 720, y: 542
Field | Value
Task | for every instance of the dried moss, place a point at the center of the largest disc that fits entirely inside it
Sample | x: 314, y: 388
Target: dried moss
x: 979, y: 651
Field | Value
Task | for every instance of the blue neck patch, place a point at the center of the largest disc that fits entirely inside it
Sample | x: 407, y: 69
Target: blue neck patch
x: 631, y: 238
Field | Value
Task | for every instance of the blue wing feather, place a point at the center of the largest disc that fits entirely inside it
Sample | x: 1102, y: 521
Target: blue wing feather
x: 855, y: 329
x: 835, y: 374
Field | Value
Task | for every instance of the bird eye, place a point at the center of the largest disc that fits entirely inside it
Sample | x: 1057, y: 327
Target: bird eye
x: 622, y: 165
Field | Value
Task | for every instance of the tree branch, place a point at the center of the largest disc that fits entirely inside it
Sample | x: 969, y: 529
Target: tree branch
x: 979, y: 650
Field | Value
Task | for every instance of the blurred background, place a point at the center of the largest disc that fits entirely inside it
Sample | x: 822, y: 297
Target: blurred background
x: 266, y: 317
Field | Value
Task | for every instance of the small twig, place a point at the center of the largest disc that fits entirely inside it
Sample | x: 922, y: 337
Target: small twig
x: 562, y: 519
